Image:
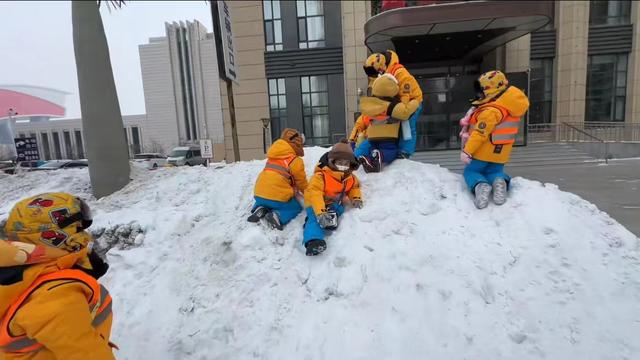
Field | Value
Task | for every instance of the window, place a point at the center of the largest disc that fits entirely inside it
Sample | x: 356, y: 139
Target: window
x: 66, y: 136
x: 606, y: 87
x: 315, y: 109
x: 310, y: 24
x: 541, y: 91
x: 79, y: 144
x: 609, y: 12
x: 57, y: 148
x: 272, y: 24
x: 135, y: 137
x: 277, y: 106
x: 46, y: 149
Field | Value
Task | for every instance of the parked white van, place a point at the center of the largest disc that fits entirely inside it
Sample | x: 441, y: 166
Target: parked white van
x: 185, y: 155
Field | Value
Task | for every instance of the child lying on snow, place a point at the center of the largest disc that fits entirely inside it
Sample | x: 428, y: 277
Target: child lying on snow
x: 332, y: 181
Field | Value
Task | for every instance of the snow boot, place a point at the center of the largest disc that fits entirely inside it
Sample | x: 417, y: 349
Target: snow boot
x: 402, y: 155
x: 315, y: 247
x: 257, y: 214
x: 499, y: 191
x: 482, y: 192
x: 273, y: 220
x: 366, y: 163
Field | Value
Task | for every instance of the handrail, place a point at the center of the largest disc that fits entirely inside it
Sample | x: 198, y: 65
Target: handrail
x: 605, y: 143
x: 582, y: 132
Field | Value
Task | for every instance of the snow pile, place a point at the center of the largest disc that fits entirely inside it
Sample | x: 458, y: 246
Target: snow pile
x: 418, y: 273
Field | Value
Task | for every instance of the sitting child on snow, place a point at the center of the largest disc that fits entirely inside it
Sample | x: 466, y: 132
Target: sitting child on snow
x: 384, y: 112
x: 282, y: 178
x: 331, y: 183
x: 494, y: 127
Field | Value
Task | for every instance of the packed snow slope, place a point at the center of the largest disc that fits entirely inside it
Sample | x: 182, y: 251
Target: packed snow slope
x: 418, y: 273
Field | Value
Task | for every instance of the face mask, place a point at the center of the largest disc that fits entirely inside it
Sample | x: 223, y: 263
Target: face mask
x: 342, y: 167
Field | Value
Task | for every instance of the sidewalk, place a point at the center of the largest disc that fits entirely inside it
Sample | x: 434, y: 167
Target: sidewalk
x: 614, y: 188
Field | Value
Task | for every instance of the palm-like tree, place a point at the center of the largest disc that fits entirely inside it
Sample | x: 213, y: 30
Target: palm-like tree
x: 101, y: 117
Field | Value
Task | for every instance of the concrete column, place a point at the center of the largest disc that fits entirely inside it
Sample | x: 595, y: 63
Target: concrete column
x: 354, y: 16
x: 517, y: 54
x: 570, y: 68
x: 632, y: 114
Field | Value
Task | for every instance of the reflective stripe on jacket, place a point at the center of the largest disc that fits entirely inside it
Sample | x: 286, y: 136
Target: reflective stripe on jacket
x: 506, y: 131
x: 99, y: 306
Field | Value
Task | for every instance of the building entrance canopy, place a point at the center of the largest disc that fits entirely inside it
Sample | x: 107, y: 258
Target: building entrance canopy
x: 461, y: 31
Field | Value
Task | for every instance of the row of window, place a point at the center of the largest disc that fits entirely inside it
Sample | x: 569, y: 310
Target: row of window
x: 310, y: 21
x: 315, y: 107
x: 71, y: 146
x: 605, y: 94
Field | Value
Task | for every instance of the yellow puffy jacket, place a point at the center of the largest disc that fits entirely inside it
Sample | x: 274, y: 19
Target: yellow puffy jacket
x: 56, y: 314
x: 359, y: 131
x: 314, y: 196
x: 479, y: 145
x: 409, y: 88
x: 272, y: 185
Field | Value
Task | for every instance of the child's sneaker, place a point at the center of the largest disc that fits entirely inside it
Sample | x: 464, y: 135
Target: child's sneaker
x: 273, y: 220
x: 315, y: 247
x: 482, y: 191
x: 257, y: 214
x: 366, y: 163
x: 499, y: 191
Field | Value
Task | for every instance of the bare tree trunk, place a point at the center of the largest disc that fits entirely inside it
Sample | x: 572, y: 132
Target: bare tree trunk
x: 106, y: 144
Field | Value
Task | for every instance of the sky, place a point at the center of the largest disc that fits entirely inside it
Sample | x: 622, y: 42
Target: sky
x: 37, y: 44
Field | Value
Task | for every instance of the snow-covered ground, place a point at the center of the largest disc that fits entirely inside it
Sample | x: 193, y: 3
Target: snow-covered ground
x: 418, y: 273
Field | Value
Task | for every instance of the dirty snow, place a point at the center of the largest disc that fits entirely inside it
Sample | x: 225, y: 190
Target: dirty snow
x: 418, y: 273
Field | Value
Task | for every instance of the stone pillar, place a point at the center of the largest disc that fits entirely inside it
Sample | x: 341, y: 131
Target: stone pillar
x: 517, y: 54
x: 632, y: 113
x: 570, y: 68
x: 251, y: 94
x: 354, y: 16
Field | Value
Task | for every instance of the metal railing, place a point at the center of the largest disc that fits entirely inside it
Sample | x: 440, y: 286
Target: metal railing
x: 583, y: 132
x: 600, y: 132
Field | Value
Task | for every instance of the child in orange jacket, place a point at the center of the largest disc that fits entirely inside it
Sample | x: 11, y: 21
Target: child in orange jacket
x: 51, y: 303
x: 282, y: 178
x: 331, y: 183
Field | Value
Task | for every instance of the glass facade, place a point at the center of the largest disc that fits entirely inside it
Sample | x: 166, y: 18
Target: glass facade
x: 46, y: 149
x: 310, y: 24
x: 68, y: 146
x: 79, y: 144
x: 315, y: 109
x: 609, y: 12
x: 272, y: 25
x: 135, y: 138
x: 606, y: 87
x: 277, y: 106
x: 541, y: 95
x: 57, y: 148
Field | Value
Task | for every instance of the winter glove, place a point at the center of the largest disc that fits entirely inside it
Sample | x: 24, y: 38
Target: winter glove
x: 465, y: 158
x: 325, y: 220
x: 357, y: 204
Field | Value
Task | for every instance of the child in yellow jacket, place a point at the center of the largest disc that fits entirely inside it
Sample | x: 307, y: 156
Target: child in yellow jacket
x: 494, y: 127
x: 331, y: 183
x: 51, y: 303
x: 282, y: 178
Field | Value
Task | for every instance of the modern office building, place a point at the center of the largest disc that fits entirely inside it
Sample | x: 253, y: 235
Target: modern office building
x: 300, y: 62
x: 182, y: 100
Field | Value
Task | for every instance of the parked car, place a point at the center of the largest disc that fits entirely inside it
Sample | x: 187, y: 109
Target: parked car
x: 186, y: 155
x: 149, y: 160
x: 62, y: 164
